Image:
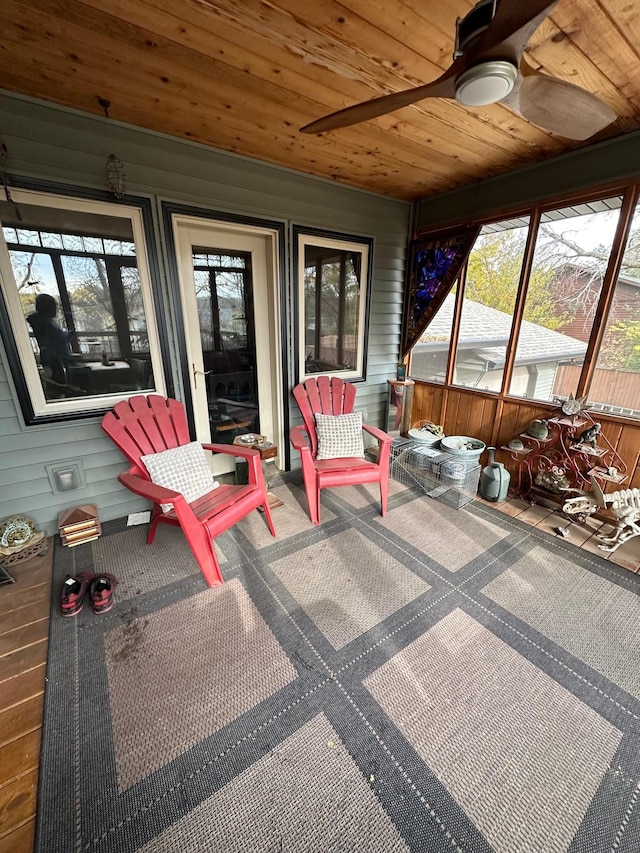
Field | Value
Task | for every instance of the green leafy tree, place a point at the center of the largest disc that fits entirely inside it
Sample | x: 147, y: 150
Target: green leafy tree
x: 493, y: 274
x: 621, y: 347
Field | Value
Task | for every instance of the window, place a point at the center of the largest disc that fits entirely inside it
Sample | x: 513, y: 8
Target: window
x: 615, y: 386
x: 538, y: 297
x: 78, y: 302
x: 429, y: 357
x: 492, y: 278
x: 333, y: 286
x: 565, y: 282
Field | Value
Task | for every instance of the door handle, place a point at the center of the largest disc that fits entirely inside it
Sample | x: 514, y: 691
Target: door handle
x: 197, y: 373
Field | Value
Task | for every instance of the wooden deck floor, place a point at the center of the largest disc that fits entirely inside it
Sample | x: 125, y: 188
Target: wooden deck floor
x: 24, y: 629
x: 24, y: 632
x: 584, y: 536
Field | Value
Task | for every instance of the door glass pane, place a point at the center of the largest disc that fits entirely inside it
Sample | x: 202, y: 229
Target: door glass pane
x: 616, y: 381
x: 224, y: 294
x: 493, y: 275
x: 570, y: 260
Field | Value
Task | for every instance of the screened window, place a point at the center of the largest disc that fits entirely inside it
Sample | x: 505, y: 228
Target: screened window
x: 429, y: 357
x: 78, y: 300
x: 565, y: 282
x: 566, y: 306
x: 615, y: 386
x: 332, y: 298
x: 492, y: 278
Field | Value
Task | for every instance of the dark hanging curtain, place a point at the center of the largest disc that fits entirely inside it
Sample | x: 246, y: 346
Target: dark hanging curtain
x: 434, y: 265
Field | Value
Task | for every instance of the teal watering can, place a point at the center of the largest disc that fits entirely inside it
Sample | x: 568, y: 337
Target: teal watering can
x: 494, y: 480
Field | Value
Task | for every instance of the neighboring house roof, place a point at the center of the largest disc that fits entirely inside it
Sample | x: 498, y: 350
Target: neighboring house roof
x: 486, y: 331
x: 583, y: 269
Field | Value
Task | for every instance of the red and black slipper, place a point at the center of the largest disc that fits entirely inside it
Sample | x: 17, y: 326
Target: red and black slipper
x: 73, y: 592
x: 102, y: 589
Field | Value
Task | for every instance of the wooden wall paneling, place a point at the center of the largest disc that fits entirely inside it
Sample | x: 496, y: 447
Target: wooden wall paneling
x: 497, y: 419
x: 510, y: 423
x: 489, y: 418
x: 427, y: 404
x: 465, y: 404
x: 476, y: 421
x: 450, y: 413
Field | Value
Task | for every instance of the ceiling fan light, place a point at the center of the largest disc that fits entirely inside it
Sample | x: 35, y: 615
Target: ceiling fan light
x: 485, y: 83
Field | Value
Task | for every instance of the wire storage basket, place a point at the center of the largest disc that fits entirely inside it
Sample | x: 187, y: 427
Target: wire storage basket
x: 448, y: 478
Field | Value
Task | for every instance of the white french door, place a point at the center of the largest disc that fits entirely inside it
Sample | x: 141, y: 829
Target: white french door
x: 230, y: 305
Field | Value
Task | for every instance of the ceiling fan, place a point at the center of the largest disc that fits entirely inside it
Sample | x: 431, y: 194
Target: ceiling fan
x: 488, y: 66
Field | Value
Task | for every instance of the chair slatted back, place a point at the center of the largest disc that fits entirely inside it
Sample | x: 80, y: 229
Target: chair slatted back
x: 146, y: 424
x: 328, y: 395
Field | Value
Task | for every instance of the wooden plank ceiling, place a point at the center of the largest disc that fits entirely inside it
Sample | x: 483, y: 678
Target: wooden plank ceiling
x: 244, y: 76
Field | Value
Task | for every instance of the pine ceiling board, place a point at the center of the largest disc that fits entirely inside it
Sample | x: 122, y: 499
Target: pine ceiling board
x: 470, y: 131
x: 106, y: 60
x: 393, y: 149
x: 163, y: 51
x: 244, y: 76
x: 333, y: 36
x: 389, y: 185
x: 234, y: 132
x: 468, y: 148
x: 241, y: 55
x: 193, y: 32
x: 428, y: 30
x: 196, y: 123
x: 466, y: 130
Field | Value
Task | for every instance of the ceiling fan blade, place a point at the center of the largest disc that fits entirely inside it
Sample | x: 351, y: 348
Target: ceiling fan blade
x: 443, y: 87
x: 561, y: 107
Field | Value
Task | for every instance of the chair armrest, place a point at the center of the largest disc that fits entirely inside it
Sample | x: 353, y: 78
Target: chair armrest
x: 254, y: 466
x: 232, y: 450
x: 380, y: 434
x: 147, y: 489
x: 299, y: 437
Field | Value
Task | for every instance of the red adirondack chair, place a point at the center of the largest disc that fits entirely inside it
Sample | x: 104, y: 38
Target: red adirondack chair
x: 150, y: 424
x: 332, y: 396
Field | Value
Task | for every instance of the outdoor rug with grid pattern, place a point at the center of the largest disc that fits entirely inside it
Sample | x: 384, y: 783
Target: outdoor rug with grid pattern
x: 437, y: 680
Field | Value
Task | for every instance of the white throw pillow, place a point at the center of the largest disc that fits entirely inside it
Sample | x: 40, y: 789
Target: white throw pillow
x: 339, y: 436
x: 183, y: 469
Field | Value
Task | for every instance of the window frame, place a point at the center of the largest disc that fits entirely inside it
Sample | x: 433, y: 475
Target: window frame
x: 35, y: 408
x: 303, y: 237
x: 630, y: 194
